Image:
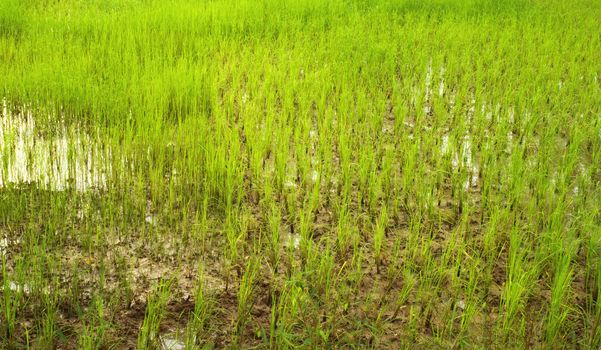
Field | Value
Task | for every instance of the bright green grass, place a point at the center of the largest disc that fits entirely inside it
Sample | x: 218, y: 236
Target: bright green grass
x: 301, y: 173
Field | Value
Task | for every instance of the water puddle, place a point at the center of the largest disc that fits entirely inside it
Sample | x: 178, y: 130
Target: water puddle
x: 171, y: 342
x: 149, y: 217
x: 71, y: 159
x: 291, y: 240
x: 3, y: 246
x: 17, y: 288
x: 462, y: 158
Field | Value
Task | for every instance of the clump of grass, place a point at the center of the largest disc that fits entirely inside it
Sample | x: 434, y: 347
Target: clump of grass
x: 198, y: 325
x: 245, y: 296
x: 13, y: 20
x: 148, y: 337
x: 10, y: 303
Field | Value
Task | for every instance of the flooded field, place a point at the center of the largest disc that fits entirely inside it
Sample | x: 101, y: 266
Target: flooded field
x: 300, y: 174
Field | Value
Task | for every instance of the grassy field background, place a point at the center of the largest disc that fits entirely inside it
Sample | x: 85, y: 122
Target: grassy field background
x: 300, y: 174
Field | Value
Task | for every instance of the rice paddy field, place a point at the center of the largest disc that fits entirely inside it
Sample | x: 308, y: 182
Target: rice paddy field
x: 300, y: 174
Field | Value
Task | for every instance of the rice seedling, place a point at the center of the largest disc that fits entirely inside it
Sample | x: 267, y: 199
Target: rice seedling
x: 245, y: 295
x: 348, y: 174
x: 148, y: 337
x: 10, y: 303
x: 198, y: 325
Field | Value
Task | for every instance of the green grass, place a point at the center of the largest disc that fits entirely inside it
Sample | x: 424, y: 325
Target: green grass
x: 300, y: 174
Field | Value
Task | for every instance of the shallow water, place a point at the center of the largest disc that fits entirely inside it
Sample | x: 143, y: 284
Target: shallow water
x: 171, y: 342
x: 291, y: 240
x: 72, y: 159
